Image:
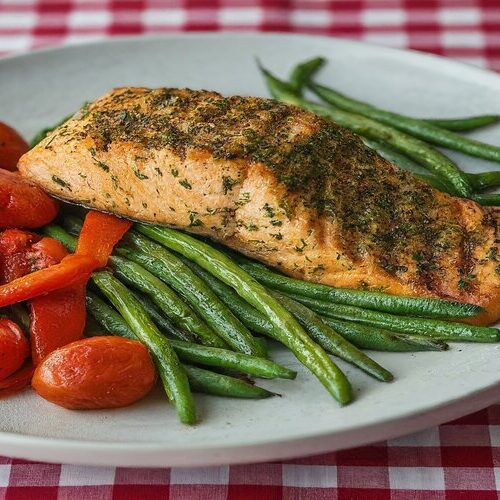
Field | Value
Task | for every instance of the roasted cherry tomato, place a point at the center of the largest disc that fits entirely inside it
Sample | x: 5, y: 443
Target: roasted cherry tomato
x: 12, y: 147
x: 22, y: 204
x: 17, y: 381
x: 14, y: 347
x: 95, y: 373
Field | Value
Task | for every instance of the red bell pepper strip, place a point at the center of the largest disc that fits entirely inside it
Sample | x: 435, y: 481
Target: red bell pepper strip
x: 22, y: 204
x: 57, y: 319
x: 73, y: 269
x: 99, y: 234
x: 16, y: 381
x: 22, y: 253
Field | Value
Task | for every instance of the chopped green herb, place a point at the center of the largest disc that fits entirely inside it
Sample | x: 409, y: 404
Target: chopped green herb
x: 228, y: 183
x: 185, y: 184
x: 193, y: 220
x: 139, y: 175
x: 61, y: 182
x: 465, y: 282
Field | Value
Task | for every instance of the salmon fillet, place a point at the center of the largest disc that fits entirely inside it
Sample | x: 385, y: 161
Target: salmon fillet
x: 277, y: 183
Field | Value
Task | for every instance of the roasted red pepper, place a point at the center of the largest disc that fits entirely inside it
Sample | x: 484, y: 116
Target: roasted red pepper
x: 23, y: 205
x: 57, y: 319
x: 22, y: 253
x: 12, y: 147
x: 73, y: 269
x: 99, y: 234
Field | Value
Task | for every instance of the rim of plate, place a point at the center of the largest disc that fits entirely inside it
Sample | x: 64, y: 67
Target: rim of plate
x: 310, y: 442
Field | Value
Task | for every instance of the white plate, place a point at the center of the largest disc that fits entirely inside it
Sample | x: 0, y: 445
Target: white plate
x: 40, y: 88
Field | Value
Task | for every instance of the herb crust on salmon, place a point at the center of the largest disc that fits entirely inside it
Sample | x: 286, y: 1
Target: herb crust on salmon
x: 278, y: 183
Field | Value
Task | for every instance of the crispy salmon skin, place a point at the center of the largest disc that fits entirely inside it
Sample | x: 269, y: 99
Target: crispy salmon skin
x: 279, y: 184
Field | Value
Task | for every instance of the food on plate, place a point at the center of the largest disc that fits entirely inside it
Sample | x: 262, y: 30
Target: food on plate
x: 12, y: 147
x: 14, y: 347
x: 22, y: 204
x: 366, y: 255
x: 277, y: 183
x: 95, y: 373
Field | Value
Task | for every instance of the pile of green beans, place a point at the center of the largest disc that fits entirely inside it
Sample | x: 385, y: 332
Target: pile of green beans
x: 286, y: 329
x: 310, y: 319
x: 403, y: 140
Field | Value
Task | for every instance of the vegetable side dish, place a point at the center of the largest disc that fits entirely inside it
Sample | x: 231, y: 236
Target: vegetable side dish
x: 374, y: 240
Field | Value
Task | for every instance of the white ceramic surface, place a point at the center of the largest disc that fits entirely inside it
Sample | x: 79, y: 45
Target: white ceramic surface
x: 40, y: 88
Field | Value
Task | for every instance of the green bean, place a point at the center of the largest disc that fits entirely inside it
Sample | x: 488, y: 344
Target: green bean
x: 42, y: 134
x: 479, y: 181
x: 164, y: 324
x: 172, y: 306
x: 190, y: 352
x: 172, y: 374
x: 108, y: 317
x: 251, y: 318
x: 484, y: 180
x: 222, y: 358
x: 490, y: 199
x: 430, y: 158
x: 375, y: 339
x: 417, y: 128
x: 377, y: 301
x: 286, y: 328
x: 169, y: 268
x: 302, y: 73
x: 465, y: 124
x: 331, y: 341
x: 430, y: 327
x: 394, y: 156
x: 217, y: 384
x: 435, y: 182
x: 58, y: 233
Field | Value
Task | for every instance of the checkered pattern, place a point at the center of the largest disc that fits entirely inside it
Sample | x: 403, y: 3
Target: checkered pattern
x: 464, y: 29
x: 458, y: 460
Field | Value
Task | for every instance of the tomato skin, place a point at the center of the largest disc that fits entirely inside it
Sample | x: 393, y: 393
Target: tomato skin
x: 17, y: 381
x: 14, y: 347
x: 12, y: 147
x: 22, y: 204
x: 95, y: 373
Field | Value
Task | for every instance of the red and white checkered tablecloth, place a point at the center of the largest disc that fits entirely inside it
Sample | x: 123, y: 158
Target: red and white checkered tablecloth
x: 458, y: 460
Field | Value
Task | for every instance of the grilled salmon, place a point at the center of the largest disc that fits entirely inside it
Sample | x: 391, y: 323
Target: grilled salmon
x: 277, y: 183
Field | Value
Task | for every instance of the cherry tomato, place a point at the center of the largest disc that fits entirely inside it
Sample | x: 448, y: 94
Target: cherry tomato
x: 17, y: 381
x: 95, y: 373
x: 22, y: 204
x: 14, y: 347
x: 12, y: 147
